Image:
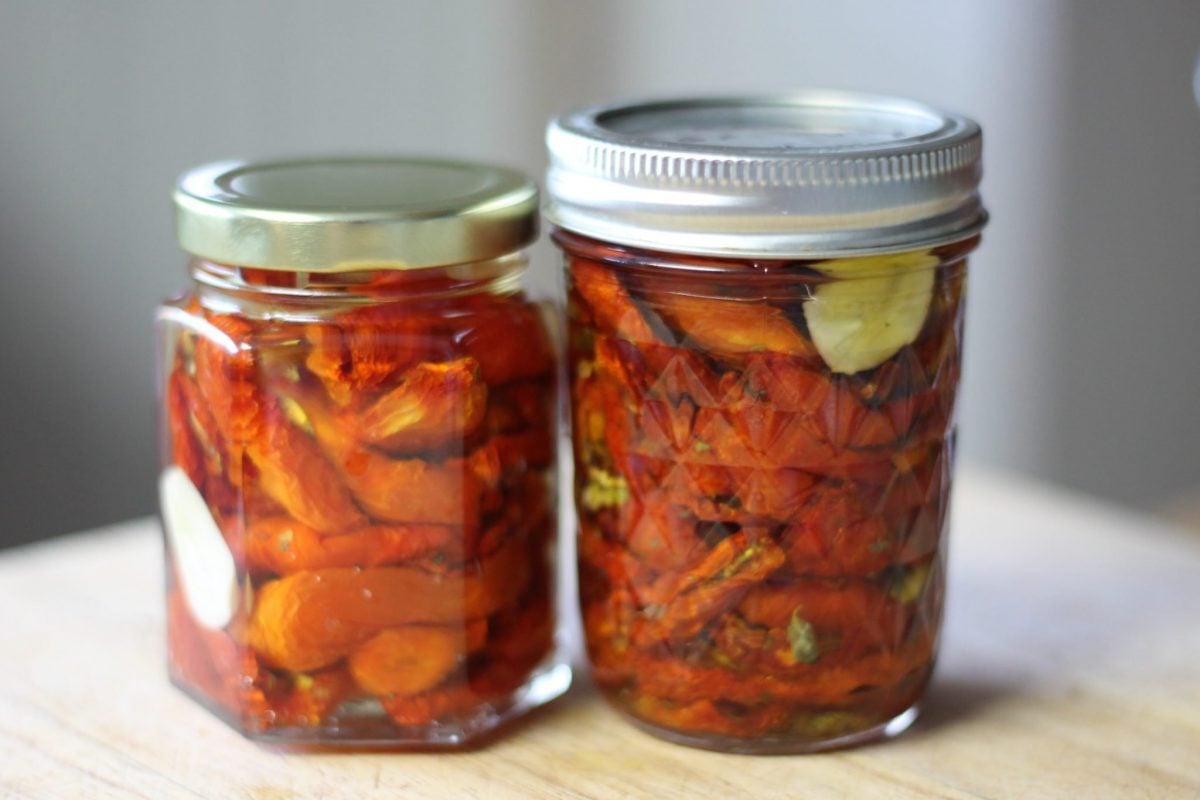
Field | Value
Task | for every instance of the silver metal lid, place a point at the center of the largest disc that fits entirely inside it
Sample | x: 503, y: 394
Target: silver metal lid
x: 353, y: 212
x: 813, y: 174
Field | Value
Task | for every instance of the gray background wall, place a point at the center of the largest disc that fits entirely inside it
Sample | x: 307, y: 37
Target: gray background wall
x: 1082, y: 334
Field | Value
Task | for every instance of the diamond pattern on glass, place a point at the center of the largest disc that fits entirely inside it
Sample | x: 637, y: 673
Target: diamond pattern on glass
x: 780, y: 546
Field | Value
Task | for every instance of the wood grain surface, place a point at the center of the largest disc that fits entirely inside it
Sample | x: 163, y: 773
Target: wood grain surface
x: 1070, y: 668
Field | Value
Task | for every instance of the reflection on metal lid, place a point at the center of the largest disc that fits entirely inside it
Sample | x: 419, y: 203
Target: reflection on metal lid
x: 810, y: 174
x: 343, y: 213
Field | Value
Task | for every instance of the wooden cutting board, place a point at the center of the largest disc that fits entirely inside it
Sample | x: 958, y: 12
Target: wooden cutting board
x: 1070, y: 668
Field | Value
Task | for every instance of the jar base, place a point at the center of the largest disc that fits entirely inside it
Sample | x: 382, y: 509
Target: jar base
x: 769, y: 745
x: 363, y: 724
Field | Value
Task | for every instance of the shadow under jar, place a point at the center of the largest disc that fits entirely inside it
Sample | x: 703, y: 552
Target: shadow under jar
x: 358, y: 485
x: 765, y: 324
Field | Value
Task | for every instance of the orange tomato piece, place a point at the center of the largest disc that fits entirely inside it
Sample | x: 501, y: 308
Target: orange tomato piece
x: 226, y: 376
x: 308, y: 620
x: 619, y: 565
x: 186, y: 451
x: 656, y: 371
x: 366, y: 349
x: 730, y: 327
x: 665, y: 538
x: 853, y: 616
x: 431, y: 405
x: 212, y: 663
x: 839, y: 532
x: 412, y: 490
x: 290, y: 468
x: 296, y: 475
x: 778, y: 382
x: 521, y: 642
x: 733, y: 567
x: 709, y: 716
x: 600, y: 288
x: 438, y: 705
x: 600, y: 419
x: 407, y: 660
x: 818, y: 684
x: 509, y: 339
x: 306, y: 700
x: 281, y: 545
x: 217, y: 487
x: 415, y: 490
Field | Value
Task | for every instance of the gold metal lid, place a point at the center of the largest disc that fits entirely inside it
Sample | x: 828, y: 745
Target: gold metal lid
x: 353, y: 213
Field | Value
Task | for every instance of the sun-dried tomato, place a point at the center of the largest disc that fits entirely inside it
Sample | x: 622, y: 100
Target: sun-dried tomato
x: 759, y: 532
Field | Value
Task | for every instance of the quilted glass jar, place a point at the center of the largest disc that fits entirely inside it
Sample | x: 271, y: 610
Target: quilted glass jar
x: 765, y: 324
x: 358, y: 451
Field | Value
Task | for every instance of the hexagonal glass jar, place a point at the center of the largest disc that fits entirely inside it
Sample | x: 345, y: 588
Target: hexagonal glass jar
x: 358, y: 450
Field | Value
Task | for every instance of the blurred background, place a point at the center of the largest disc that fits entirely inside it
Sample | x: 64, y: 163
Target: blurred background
x: 1083, y: 343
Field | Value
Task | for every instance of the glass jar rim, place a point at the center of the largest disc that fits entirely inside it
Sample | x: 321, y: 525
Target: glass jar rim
x: 367, y: 287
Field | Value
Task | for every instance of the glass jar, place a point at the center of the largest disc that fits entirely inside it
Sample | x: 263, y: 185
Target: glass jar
x: 765, y: 320
x: 358, y: 450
